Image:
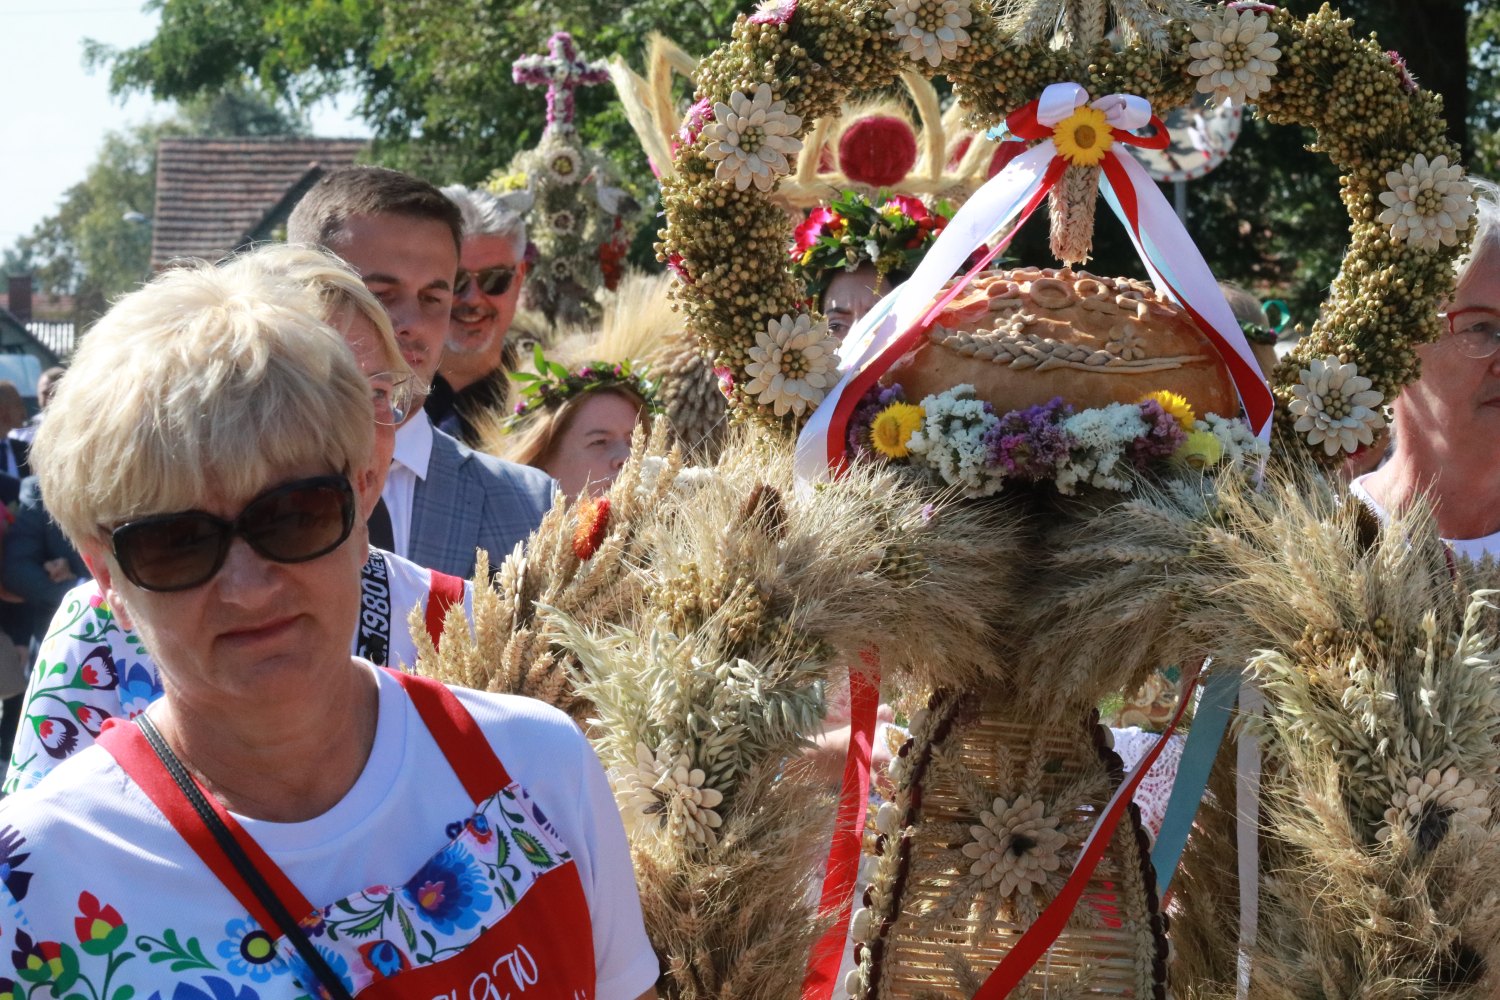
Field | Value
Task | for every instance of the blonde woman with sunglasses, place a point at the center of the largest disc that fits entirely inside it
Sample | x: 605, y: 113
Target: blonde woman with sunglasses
x: 1447, y: 423
x: 287, y: 819
x: 62, y: 716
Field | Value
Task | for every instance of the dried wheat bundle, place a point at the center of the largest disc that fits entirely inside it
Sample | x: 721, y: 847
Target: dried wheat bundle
x: 1380, y: 859
x: 1120, y: 588
x: 748, y: 599
x: 689, y: 393
x: 578, y: 561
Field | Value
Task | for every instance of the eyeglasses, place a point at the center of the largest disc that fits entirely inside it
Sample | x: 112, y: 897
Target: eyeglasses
x: 1475, y: 331
x: 392, y: 394
x: 292, y: 523
x: 491, y: 281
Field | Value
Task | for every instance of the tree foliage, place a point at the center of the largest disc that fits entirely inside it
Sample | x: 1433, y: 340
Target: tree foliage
x: 97, y: 245
x: 433, y: 78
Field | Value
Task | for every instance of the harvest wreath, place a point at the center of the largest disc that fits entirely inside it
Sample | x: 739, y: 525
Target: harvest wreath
x: 793, y: 61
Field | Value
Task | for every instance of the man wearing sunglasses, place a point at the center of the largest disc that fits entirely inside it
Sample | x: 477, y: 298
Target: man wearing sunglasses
x: 1447, y: 426
x: 472, y: 378
x: 442, y: 500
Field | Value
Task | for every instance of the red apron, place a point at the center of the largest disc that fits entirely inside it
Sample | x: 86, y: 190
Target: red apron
x: 535, y: 941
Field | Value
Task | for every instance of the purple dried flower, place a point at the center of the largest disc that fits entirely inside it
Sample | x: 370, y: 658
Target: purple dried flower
x: 878, y: 398
x: 1164, y: 435
x: 1031, y: 443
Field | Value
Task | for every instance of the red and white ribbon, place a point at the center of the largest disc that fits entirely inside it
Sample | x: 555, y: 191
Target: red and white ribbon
x: 898, y: 322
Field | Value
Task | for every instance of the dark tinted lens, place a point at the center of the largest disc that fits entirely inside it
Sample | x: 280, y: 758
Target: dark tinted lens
x: 173, y: 552
x: 299, y: 521
x: 492, y: 281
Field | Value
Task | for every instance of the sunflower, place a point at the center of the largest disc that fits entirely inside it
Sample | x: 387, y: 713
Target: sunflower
x: 1178, y: 408
x: 893, y: 427
x: 1083, y: 137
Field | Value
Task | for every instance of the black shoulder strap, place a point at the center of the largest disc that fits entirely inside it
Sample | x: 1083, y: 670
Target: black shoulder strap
x: 332, y: 985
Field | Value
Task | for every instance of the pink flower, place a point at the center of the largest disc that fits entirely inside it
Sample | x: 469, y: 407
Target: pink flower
x: 674, y: 261
x: 726, y: 381
x: 774, y: 12
x: 692, y: 123
x: 1408, y: 81
x: 910, y: 207
x: 812, y: 227
x: 1255, y: 8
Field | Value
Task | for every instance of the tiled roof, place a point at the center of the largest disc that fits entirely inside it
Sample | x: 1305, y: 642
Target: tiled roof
x: 215, y: 195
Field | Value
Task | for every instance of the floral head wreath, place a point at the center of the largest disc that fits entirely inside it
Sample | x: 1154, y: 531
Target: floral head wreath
x: 889, y: 231
x: 552, y: 385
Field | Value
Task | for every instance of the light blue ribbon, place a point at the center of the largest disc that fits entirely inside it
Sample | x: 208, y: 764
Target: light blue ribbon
x: 1209, y: 724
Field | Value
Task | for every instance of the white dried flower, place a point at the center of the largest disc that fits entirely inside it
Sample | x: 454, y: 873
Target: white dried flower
x: 888, y: 819
x: 1335, y: 406
x: 1015, y: 846
x: 1429, y: 203
x: 663, y: 791
x: 862, y: 924
x: 751, y: 139
x: 793, y: 364
x: 1461, y: 799
x: 930, y: 29
x: 564, y: 165
x: 952, y: 442
x: 1234, y: 56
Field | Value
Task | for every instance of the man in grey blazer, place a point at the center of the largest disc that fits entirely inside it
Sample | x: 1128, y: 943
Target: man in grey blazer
x: 442, y: 501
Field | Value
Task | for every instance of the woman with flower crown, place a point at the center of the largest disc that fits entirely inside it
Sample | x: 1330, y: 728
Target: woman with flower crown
x: 854, y: 250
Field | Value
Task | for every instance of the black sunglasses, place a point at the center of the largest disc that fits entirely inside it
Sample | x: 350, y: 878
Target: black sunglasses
x: 291, y: 523
x: 491, y: 281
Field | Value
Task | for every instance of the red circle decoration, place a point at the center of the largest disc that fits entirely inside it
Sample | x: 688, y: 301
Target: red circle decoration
x: 879, y: 150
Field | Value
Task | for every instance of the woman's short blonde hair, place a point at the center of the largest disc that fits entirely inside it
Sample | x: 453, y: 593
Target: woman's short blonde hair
x: 209, y: 380
x: 343, y: 295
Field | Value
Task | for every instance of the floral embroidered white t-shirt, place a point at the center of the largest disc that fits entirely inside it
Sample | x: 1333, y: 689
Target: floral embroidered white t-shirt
x: 100, y: 897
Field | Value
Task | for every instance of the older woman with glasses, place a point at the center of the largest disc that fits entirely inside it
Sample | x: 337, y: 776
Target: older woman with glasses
x: 1447, y: 425
x: 287, y: 819
x: 63, y: 710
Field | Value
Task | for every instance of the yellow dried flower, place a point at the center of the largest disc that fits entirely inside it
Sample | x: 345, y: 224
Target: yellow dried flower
x: 1201, y: 450
x: 1083, y: 137
x: 893, y: 428
x: 1177, y: 407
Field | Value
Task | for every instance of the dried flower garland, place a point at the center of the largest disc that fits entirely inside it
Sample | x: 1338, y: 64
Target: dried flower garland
x: 1406, y: 199
x: 959, y: 441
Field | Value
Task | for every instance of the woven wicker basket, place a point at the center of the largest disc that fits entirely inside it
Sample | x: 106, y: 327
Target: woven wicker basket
x: 982, y: 793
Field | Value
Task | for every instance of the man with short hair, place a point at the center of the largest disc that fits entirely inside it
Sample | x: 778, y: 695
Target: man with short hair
x: 477, y: 357
x: 442, y: 500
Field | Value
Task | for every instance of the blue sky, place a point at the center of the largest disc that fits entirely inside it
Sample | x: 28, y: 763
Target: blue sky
x: 54, y: 113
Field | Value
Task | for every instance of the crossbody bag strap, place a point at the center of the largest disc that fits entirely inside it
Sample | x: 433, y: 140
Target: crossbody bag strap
x: 270, y: 902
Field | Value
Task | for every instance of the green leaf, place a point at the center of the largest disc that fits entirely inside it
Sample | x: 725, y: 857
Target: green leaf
x: 169, y: 949
x: 532, y: 849
x: 406, y: 930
